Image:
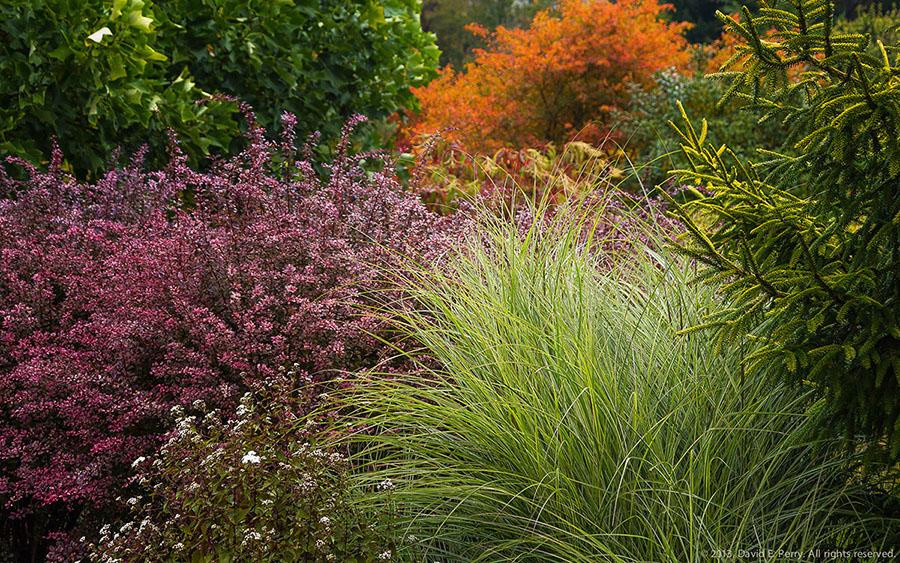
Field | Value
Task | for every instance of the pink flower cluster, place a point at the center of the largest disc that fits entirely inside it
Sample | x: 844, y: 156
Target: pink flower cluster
x: 145, y: 290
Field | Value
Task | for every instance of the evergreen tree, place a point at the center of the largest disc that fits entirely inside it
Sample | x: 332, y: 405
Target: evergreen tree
x: 806, y: 242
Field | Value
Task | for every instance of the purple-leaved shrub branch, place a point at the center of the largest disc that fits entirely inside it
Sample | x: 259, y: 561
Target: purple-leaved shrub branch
x: 150, y: 289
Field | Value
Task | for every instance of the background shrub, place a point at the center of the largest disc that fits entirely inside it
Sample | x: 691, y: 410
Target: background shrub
x: 144, y: 290
x: 548, y: 82
x: 254, y: 488
x: 876, y: 21
x: 807, y: 245
x: 653, y: 145
x: 569, y: 421
x: 444, y: 173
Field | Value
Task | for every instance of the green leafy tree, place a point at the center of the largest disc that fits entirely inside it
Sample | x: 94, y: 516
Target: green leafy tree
x: 93, y: 75
x: 806, y: 245
x: 99, y: 75
x: 322, y: 61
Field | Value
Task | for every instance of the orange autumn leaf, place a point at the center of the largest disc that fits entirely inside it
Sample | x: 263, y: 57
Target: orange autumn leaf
x: 555, y: 79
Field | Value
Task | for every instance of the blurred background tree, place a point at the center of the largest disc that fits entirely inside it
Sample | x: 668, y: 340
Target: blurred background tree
x: 448, y: 18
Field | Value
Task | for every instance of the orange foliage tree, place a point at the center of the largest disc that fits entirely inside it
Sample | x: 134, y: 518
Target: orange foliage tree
x: 558, y: 78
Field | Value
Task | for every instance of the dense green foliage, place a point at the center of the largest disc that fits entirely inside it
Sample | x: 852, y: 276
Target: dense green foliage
x: 322, y: 61
x: 569, y: 422
x: 94, y: 75
x: 807, y: 246
x: 99, y: 75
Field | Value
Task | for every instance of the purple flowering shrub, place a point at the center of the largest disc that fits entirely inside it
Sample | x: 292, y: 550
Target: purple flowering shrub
x: 149, y: 289
x: 253, y: 488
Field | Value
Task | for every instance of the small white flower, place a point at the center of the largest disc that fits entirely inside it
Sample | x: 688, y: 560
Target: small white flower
x: 325, y: 521
x: 386, y: 485
x: 384, y: 555
x: 178, y: 547
x: 251, y: 457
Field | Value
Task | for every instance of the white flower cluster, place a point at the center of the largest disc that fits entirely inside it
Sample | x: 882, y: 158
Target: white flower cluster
x: 307, y: 483
x: 250, y: 536
x: 216, y: 454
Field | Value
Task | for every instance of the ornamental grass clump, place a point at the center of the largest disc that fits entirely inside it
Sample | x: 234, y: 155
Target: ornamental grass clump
x: 568, y: 421
x: 149, y: 289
